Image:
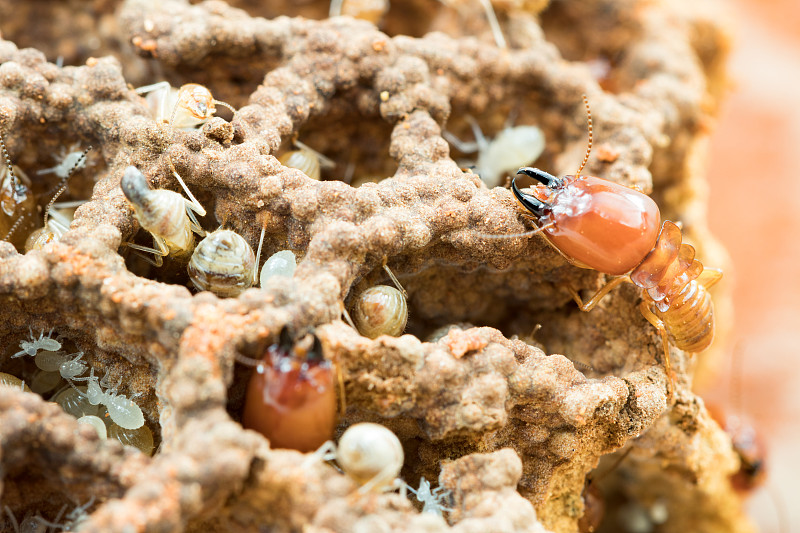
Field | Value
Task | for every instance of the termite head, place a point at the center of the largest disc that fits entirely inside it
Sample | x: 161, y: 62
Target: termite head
x: 135, y: 188
x: 196, y: 99
x: 594, y: 222
x: 291, y: 397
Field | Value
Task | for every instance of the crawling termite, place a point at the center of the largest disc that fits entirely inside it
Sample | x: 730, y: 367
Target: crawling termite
x: 186, y: 108
x: 598, y: 224
x: 167, y: 215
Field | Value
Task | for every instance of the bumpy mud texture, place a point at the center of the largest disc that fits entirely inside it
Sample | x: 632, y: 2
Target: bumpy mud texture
x: 511, y: 431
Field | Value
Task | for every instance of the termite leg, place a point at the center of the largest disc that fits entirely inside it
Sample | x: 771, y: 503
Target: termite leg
x: 347, y: 316
x: 659, y: 325
x: 193, y: 223
x: 377, y: 481
x: 594, y: 300
x: 159, y: 253
x: 497, y: 32
x: 480, y: 139
x: 258, y: 253
x: 394, y: 278
x: 709, y: 276
x: 465, y: 147
x: 342, y: 398
x: 160, y: 87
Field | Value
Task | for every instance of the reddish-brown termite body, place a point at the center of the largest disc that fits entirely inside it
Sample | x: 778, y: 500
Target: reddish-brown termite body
x: 598, y: 224
x: 291, y: 398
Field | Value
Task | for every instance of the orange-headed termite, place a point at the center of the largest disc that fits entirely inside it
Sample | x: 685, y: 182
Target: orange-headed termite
x: 598, y: 224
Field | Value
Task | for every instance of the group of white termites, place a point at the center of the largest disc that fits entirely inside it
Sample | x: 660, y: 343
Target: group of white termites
x: 89, y: 402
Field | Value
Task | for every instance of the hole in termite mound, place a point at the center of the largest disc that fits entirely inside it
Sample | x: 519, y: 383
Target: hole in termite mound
x: 54, y: 363
x: 41, y: 170
x: 527, y: 133
x: 355, y: 145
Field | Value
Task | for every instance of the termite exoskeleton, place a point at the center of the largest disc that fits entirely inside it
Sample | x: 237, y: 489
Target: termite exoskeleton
x: 167, y: 215
x: 598, y: 224
x: 291, y: 398
x: 307, y: 160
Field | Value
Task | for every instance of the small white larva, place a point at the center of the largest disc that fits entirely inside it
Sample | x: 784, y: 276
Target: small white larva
x: 512, y: 148
x: 123, y: 411
x: 380, y: 310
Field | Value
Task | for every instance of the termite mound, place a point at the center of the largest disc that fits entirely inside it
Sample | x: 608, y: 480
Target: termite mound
x: 478, y: 399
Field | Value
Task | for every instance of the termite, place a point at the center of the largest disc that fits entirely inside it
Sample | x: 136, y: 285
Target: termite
x: 223, y: 263
x: 370, y: 454
x: 600, y: 225
x: 56, y: 223
x: 291, y: 398
x: 380, y: 310
x: 307, y: 160
x: 17, y: 201
x: 191, y: 105
x: 512, y: 147
x: 167, y: 215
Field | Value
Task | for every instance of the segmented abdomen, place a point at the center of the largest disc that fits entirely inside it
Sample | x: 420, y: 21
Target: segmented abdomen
x: 690, y: 318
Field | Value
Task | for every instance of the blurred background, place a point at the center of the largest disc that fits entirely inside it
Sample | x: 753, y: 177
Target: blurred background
x: 754, y: 211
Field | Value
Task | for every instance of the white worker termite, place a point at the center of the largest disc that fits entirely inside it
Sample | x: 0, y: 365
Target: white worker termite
x: 32, y: 346
x: 168, y: 216
x: 74, y: 160
x: 512, y: 148
x: 123, y: 411
x: 432, y: 500
x: 56, y: 222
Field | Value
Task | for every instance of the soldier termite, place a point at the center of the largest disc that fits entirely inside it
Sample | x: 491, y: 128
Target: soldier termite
x: 598, y: 224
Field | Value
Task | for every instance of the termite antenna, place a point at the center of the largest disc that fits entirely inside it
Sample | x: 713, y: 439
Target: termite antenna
x: 497, y: 32
x: 14, y: 179
x: 514, y: 235
x: 63, y: 186
x: 588, y: 148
